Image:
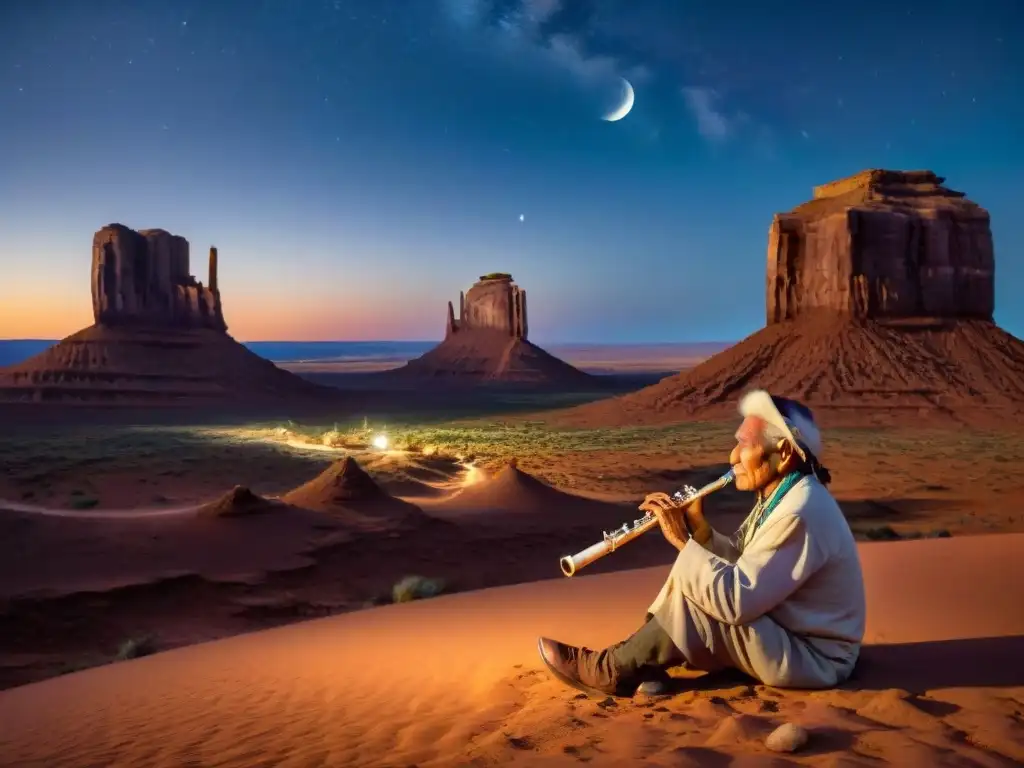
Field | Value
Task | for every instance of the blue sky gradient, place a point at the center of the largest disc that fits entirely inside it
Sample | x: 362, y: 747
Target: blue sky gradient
x: 358, y: 163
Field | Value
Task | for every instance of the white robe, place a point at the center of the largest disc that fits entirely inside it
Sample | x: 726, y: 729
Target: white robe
x: 786, y: 605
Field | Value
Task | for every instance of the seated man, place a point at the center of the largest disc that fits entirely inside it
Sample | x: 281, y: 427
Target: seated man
x: 782, y: 600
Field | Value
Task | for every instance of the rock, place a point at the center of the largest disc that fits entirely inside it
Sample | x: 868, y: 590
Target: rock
x: 159, y: 339
x: 487, y: 341
x: 494, y: 303
x: 882, y: 244
x: 142, y: 279
x: 879, y: 313
x: 653, y: 688
x: 788, y: 737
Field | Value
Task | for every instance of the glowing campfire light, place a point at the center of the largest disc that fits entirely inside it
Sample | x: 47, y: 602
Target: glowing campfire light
x: 380, y: 442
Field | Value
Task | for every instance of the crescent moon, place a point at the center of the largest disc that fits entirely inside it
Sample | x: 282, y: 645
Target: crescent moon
x: 627, y: 104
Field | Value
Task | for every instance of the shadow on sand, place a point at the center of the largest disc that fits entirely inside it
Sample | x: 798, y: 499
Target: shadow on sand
x: 988, y: 662
x: 984, y: 662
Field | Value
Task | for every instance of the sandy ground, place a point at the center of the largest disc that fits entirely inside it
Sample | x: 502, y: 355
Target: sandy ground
x: 105, y: 553
x: 456, y: 681
x: 592, y: 358
x: 122, y: 556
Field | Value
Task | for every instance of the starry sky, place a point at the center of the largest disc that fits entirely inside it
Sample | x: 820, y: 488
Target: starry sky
x: 358, y: 162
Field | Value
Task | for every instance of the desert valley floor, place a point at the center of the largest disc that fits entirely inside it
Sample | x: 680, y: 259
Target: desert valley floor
x: 126, y: 537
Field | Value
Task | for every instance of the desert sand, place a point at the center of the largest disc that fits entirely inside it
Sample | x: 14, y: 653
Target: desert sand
x: 456, y: 681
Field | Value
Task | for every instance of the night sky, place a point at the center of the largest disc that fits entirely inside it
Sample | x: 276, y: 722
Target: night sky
x: 358, y: 162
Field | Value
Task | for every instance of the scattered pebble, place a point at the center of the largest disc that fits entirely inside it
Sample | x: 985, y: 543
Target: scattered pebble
x: 786, y: 738
x: 653, y: 688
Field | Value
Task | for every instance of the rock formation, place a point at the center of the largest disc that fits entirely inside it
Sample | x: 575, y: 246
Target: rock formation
x: 159, y: 338
x: 879, y: 312
x: 143, y: 279
x: 487, y: 341
x: 494, y: 303
x: 882, y: 244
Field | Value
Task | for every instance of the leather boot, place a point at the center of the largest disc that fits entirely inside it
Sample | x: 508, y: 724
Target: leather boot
x: 616, y: 670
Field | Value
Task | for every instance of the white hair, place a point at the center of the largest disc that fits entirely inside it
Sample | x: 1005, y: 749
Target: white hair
x: 772, y: 435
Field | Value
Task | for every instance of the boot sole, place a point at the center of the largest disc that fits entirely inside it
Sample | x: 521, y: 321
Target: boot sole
x: 582, y: 687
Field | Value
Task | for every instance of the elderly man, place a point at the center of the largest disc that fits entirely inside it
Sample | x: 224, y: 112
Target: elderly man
x: 781, y: 600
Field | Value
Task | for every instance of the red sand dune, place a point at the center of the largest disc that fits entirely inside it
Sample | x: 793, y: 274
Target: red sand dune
x: 456, y: 681
x: 240, y: 502
x: 53, y: 555
x: 347, y: 492
x: 855, y: 373
x: 238, y: 535
x: 479, y: 355
x: 511, y: 494
x: 139, y: 366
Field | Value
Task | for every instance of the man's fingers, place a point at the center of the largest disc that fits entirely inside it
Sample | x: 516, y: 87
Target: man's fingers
x: 653, y: 505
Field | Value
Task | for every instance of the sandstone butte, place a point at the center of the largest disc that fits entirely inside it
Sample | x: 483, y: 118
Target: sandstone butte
x: 488, y: 342
x: 159, y: 337
x: 879, y: 299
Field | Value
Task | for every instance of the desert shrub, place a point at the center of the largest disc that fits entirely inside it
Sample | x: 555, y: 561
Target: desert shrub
x: 416, y: 588
x: 333, y: 438
x: 136, y: 647
x: 883, y: 533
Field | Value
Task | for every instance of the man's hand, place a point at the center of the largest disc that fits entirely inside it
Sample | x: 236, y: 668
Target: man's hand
x: 679, y: 523
x: 698, y: 525
x: 670, y: 517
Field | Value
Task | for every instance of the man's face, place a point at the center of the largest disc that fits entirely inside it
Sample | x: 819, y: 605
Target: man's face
x: 751, y: 459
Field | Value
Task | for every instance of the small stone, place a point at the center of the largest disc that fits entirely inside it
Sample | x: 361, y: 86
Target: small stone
x: 652, y: 688
x: 787, y: 738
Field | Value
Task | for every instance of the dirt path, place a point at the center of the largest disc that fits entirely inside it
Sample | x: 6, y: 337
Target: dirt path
x: 98, y: 514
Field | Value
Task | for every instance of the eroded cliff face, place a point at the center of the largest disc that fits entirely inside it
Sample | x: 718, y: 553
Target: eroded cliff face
x: 882, y: 244
x: 142, y: 278
x: 494, y: 303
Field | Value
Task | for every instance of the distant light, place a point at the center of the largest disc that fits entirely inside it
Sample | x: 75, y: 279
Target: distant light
x: 522, y: 217
x: 380, y: 442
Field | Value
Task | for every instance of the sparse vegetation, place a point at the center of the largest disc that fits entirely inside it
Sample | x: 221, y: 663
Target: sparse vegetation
x: 136, y: 647
x: 496, y: 276
x: 270, y: 457
x: 888, y: 533
x: 416, y: 588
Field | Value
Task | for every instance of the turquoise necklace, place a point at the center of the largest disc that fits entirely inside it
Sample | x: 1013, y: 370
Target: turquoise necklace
x: 766, y: 506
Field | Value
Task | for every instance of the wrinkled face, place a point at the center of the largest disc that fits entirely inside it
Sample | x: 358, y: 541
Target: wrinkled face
x: 756, y: 462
